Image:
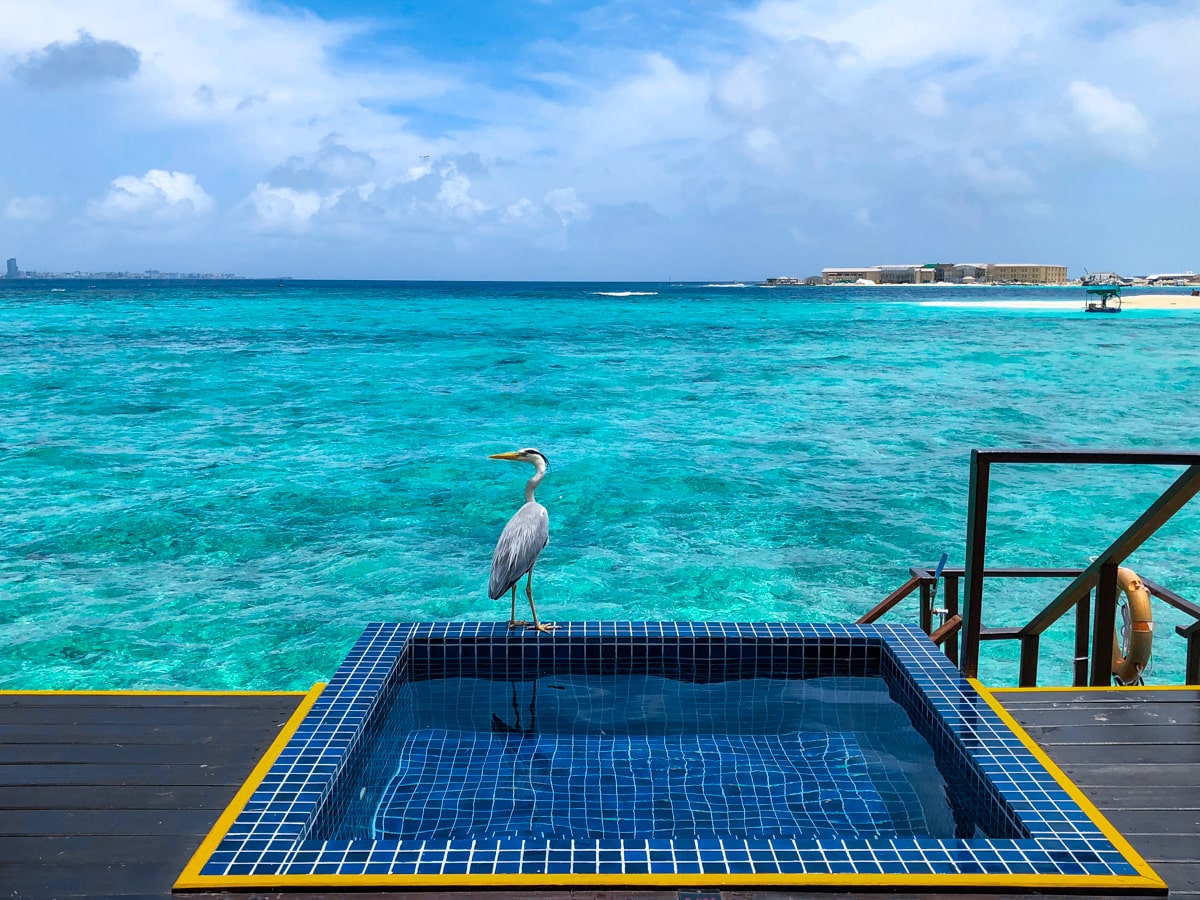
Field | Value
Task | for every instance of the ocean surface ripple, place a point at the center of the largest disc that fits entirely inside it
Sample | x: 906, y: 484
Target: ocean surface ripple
x: 216, y: 485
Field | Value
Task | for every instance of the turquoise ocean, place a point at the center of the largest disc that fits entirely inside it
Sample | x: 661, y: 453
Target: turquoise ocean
x: 215, y: 485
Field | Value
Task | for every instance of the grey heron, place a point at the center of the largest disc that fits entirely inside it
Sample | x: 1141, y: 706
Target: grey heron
x: 521, y: 541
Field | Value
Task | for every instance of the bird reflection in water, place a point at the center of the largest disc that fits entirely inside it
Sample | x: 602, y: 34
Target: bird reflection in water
x: 499, y: 726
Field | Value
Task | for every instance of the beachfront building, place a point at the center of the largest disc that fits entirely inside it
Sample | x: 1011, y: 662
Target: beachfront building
x: 1176, y: 278
x: 953, y: 273
x: 967, y: 273
x: 13, y: 272
x: 1026, y: 273
x: 851, y: 275
x: 907, y: 274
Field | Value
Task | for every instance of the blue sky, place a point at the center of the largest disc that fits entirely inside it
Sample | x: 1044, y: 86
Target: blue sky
x: 582, y: 140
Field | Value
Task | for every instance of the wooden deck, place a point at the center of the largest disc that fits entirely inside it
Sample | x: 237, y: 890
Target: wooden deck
x: 1136, y: 755
x: 109, y: 795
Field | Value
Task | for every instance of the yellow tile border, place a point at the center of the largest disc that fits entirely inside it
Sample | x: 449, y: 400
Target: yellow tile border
x: 1146, y: 881
x: 1115, y: 837
x: 191, y: 872
x: 149, y: 694
x: 687, y: 881
x: 1113, y: 688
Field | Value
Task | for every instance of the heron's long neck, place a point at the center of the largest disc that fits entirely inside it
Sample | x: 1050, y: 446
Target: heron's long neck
x: 531, y: 485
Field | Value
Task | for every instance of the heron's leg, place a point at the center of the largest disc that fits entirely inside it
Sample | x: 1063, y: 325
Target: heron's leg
x: 512, y: 622
x: 540, y: 626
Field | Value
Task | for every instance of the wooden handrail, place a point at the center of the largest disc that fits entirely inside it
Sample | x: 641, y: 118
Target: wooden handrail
x: 1172, y: 599
x: 1167, y: 595
x: 890, y: 600
x: 951, y: 626
x: 1014, y: 572
x: 1093, y: 457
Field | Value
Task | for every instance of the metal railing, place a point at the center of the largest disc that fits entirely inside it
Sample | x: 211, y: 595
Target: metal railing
x: 1092, y: 592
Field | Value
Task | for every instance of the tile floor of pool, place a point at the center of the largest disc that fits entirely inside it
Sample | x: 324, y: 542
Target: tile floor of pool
x: 1046, y: 834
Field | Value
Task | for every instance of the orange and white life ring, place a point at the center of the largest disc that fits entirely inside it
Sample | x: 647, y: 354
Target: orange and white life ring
x: 1129, y: 661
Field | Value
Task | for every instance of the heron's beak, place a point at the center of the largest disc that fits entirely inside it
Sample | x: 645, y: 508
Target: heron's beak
x: 515, y: 454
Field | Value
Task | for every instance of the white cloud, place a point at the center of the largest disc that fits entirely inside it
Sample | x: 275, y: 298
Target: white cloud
x: 82, y: 62
x: 744, y: 87
x: 521, y: 211
x: 158, y: 196
x: 567, y: 205
x: 890, y: 33
x: 1118, y: 125
x: 29, y: 209
x: 267, y: 80
x: 931, y: 101
x: 283, y: 209
x: 992, y: 177
x: 454, y: 196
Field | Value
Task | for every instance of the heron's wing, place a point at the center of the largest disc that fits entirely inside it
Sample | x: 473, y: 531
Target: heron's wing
x: 517, y: 550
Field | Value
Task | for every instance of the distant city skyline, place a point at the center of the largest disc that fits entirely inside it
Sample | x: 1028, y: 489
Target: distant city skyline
x: 14, y: 271
x: 729, y: 139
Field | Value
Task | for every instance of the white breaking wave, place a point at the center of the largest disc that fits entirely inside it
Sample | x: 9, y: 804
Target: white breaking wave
x: 625, y: 293
x: 733, y: 284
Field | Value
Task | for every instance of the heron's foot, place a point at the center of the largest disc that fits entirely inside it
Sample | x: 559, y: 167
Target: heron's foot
x: 543, y: 626
x: 513, y: 623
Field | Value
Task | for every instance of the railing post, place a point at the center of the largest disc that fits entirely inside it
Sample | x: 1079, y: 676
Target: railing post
x: 1029, y: 672
x: 1029, y: 660
x: 1104, y: 625
x: 977, y: 504
x: 1082, y: 639
x: 1191, y: 669
x: 926, y: 620
x: 950, y: 598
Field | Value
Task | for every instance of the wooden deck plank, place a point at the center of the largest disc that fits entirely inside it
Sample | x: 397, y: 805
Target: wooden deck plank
x: 14, y: 756
x: 1016, y: 699
x: 85, y: 849
x: 1116, y: 773
x: 147, y: 775
x: 1120, y: 796
x: 1133, y: 716
x: 1100, y: 733
x: 1139, y: 754
x: 1173, y: 821
x: 49, y: 734
x: 67, y: 879
x: 74, y: 717
x: 106, y: 796
x: 104, y: 821
x: 1184, y: 878
x: 166, y: 700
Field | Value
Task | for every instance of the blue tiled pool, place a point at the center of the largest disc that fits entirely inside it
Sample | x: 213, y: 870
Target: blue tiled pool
x: 573, y: 757
x: 459, y: 754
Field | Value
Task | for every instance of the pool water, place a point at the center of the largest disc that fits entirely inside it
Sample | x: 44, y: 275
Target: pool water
x: 572, y: 757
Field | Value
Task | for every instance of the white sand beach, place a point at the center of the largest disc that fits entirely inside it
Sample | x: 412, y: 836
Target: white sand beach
x: 1160, y: 301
